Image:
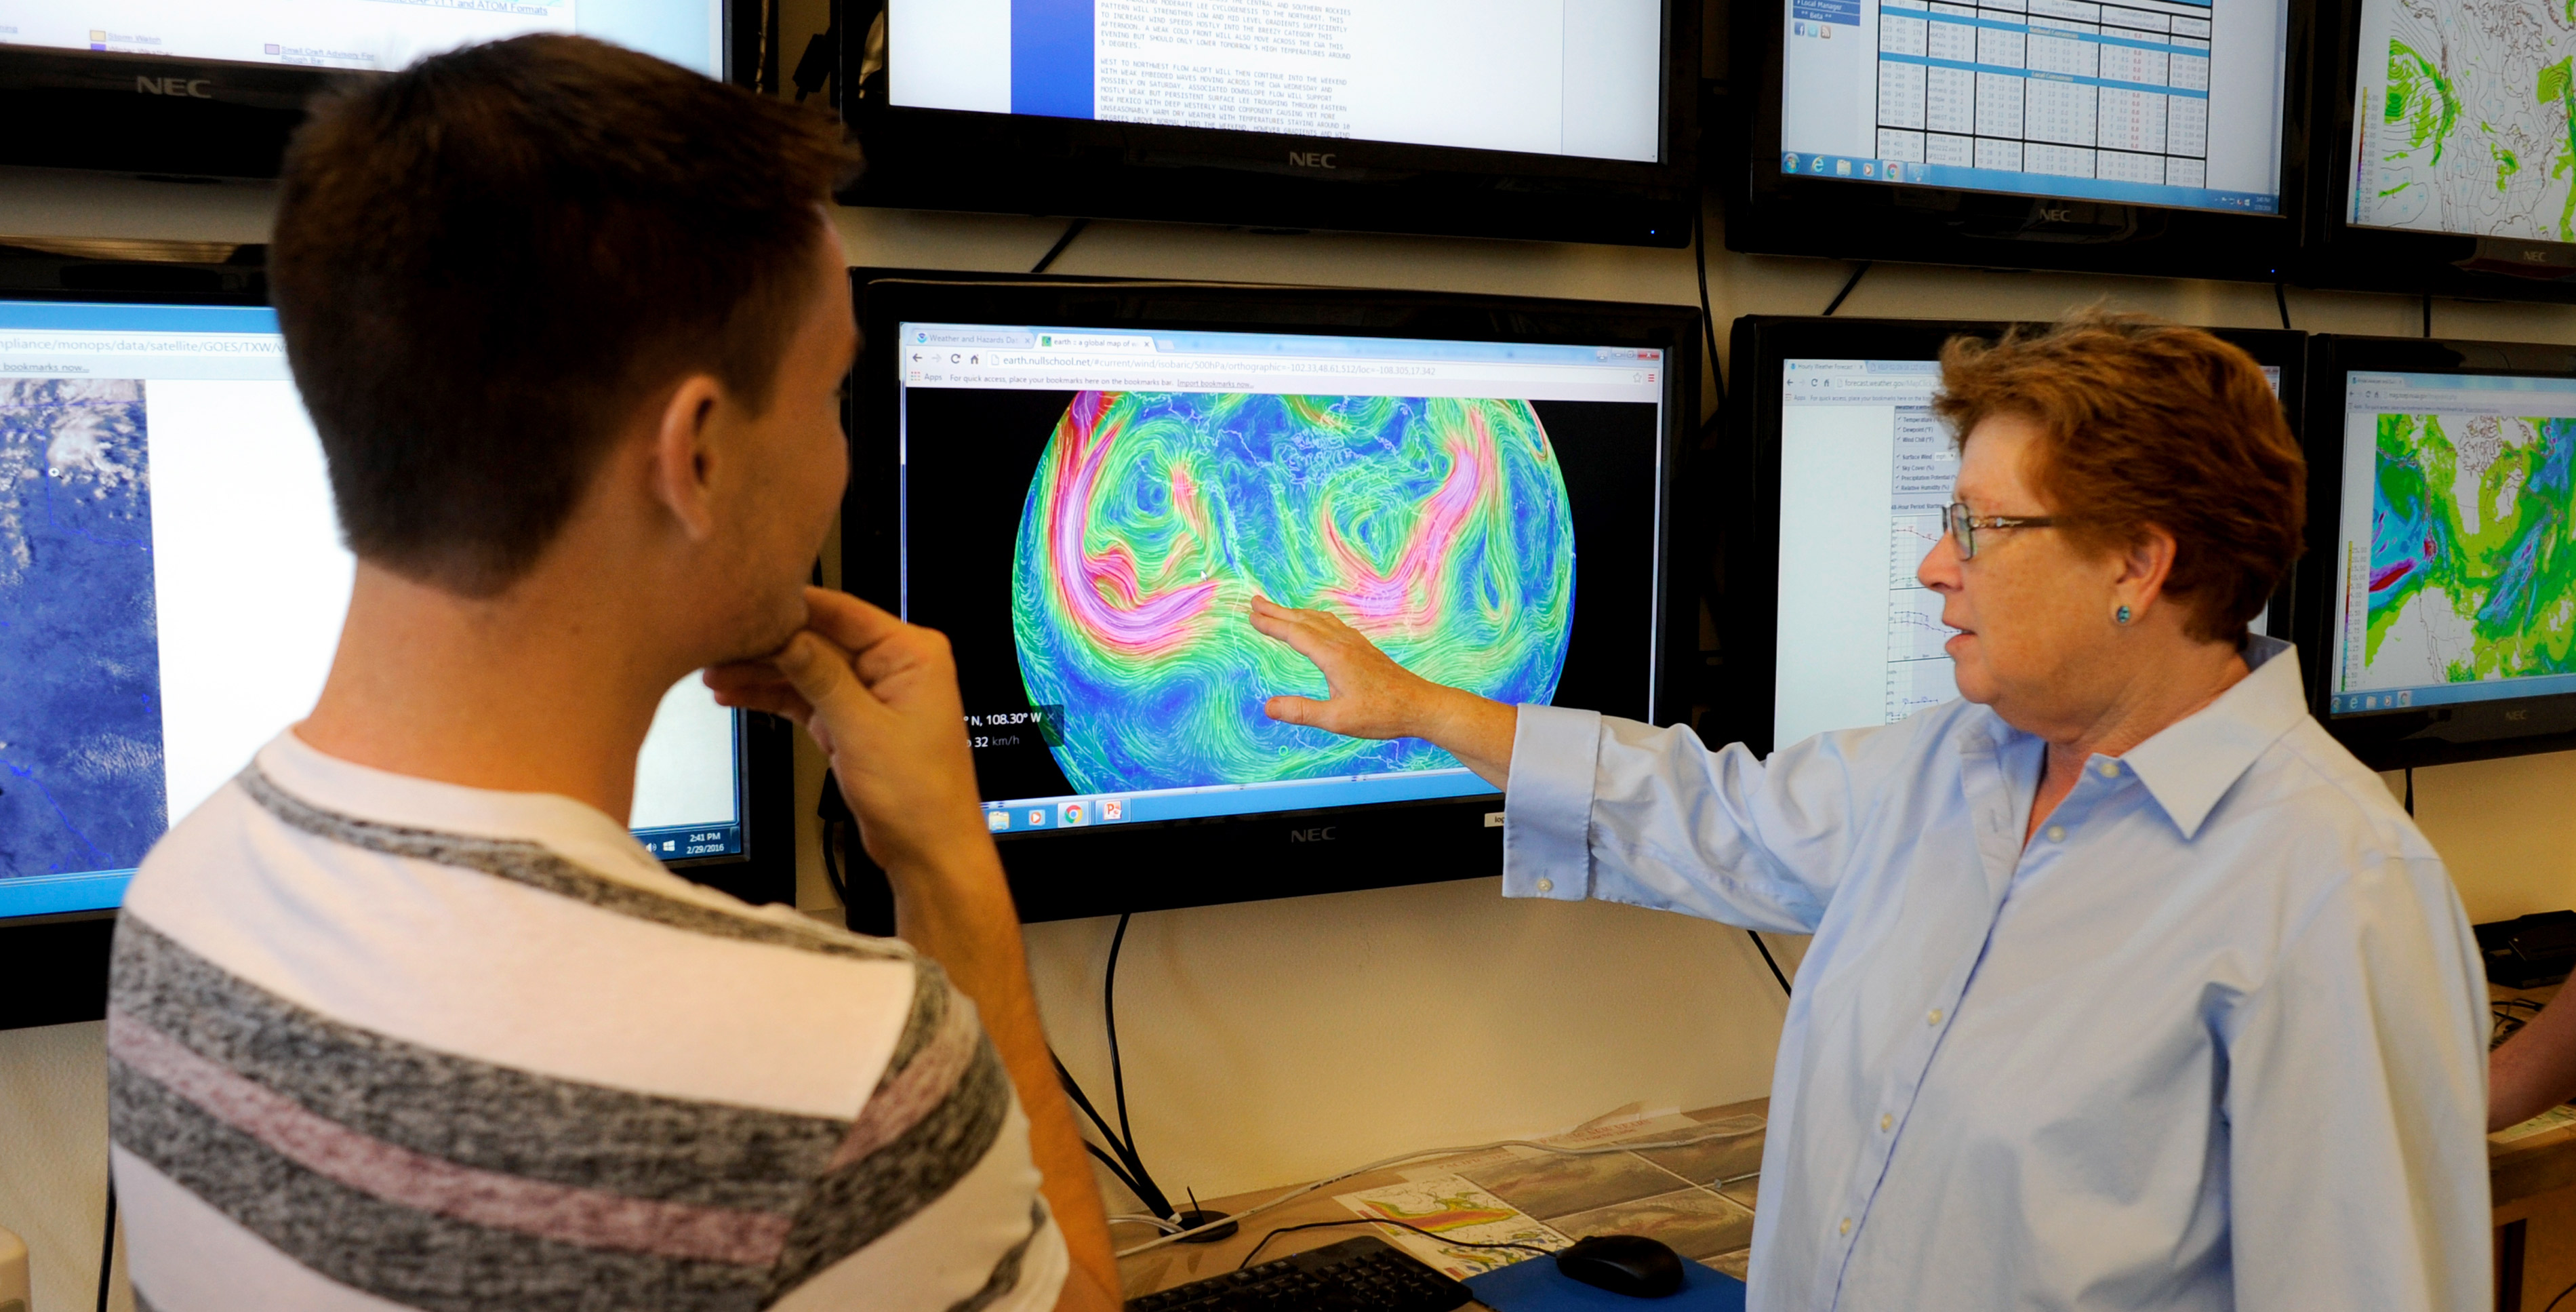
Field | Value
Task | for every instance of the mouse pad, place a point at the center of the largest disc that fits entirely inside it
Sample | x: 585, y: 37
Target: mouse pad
x: 1535, y: 1286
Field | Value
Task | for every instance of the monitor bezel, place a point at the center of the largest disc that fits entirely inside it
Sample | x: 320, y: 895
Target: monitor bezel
x: 204, y: 118
x: 2347, y: 256
x: 1024, y: 164
x: 72, y: 946
x: 2460, y: 731
x: 1749, y: 624
x: 1773, y: 213
x: 1276, y: 854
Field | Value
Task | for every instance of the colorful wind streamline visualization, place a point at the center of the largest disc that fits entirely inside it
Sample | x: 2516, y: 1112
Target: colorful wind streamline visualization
x: 1439, y: 528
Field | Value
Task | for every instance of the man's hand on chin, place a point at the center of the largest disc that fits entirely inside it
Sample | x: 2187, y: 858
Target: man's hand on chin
x: 879, y: 696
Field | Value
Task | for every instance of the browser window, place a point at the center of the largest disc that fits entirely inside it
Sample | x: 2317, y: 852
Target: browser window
x: 2150, y: 102
x: 1549, y: 77
x: 2452, y: 579
x: 172, y: 585
x: 369, y: 35
x: 1089, y: 513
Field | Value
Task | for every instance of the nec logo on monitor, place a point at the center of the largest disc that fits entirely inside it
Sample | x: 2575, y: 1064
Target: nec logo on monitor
x: 1312, y: 159
x: 1318, y: 834
x: 195, y: 87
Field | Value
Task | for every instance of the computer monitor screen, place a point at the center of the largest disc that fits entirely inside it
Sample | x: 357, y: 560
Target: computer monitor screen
x: 1580, y: 78
x: 367, y: 35
x: 2460, y: 120
x: 1088, y: 513
x: 1864, y: 468
x: 172, y: 585
x: 2452, y: 579
x: 2147, y: 102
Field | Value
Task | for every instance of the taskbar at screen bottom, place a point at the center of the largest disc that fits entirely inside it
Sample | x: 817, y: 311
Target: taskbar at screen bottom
x: 102, y: 890
x: 2044, y: 186
x: 2449, y: 694
x: 55, y: 895
x: 1052, y: 814
x: 683, y: 842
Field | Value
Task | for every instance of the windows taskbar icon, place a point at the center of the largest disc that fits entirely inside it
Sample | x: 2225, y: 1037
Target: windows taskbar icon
x: 1841, y: 166
x: 1019, y: 817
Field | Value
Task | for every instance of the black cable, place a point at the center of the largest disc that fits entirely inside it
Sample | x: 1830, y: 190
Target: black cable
x: 1707, y: 316
x: 1848, y: 284
x: 1765, y: 950
x: 1155, y: 1198
x: 107, y: 1246
x: 2553, y: 1303
x: 1114, y: 1167
x: 2410, y: 790
x: 1082, y: 1101
x: 1321, y: 1225
x: 2281, y: 294
x: 1071, y: 231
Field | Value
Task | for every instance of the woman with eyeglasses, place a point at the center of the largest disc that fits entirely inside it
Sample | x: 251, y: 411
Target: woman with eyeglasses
x: 2129, y: 987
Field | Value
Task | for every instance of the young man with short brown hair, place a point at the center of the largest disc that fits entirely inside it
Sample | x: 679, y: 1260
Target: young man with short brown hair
x: 404, y: 1016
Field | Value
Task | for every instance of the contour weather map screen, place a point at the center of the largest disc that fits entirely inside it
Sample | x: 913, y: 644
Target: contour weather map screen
x: 1088, y: 515
x: 2456, y: 581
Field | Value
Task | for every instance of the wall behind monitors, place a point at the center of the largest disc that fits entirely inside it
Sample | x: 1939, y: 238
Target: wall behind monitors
x: 1555, y: 119
x: 170, y: 86
x: 1845, y: 470
x: 1084, y: 484
x: 2438, y: 597
x: 2145, y: 137
x: 2443, y: 158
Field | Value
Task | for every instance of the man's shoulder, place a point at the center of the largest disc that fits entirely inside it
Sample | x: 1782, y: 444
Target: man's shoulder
x: 504, y: 948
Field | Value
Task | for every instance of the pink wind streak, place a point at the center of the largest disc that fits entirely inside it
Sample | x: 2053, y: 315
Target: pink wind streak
x: 1407, y: 597
x: 1126, y: 621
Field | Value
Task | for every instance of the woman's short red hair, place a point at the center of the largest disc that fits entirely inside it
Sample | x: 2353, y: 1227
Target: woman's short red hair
x: 2149, y: 424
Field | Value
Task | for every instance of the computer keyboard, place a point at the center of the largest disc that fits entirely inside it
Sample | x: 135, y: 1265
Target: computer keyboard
x: 1366, y: 1273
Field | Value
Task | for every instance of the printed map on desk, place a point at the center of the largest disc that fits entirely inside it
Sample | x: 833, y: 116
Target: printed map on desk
x: 1697, y: 1199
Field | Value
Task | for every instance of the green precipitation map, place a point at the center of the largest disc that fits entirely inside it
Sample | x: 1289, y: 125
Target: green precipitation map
x: 2472, y: 564
x: 2472, y: 131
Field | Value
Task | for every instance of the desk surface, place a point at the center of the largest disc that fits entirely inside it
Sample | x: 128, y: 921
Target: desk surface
x: 2530, y: 1163
x: 1724, y: 1226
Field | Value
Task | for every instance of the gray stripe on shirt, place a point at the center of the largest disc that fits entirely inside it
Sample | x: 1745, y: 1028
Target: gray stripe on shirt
x: 472, y: 1113
x: 539, y: 867
x: 853, y: 1205
x: 398, y: 1253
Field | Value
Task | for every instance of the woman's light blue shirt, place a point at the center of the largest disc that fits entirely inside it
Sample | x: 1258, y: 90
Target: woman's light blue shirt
x: 2214, y: 1039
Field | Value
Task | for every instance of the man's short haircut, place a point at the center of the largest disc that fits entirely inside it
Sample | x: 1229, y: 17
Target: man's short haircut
x: 2149, y: 424
x: 486, y: 263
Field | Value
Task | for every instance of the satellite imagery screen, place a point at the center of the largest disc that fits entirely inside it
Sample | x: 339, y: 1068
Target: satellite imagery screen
x: 1439, y: 527
x: 81, y: 783
x: 2471, y: 573
x: 2461, y: 121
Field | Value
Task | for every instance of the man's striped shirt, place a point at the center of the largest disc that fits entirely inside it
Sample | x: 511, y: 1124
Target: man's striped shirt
x: 379, y: 1042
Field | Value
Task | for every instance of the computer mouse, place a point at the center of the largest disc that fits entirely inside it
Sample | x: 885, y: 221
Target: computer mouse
x: 1623, y: 1264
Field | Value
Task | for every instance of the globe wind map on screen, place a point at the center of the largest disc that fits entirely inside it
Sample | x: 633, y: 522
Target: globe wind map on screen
x: 1440, y: 528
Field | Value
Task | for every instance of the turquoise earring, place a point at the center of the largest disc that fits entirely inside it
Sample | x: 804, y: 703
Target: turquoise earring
x: 2120, y: 616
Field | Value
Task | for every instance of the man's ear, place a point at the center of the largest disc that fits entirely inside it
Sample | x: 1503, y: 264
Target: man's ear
x: 684, y: 455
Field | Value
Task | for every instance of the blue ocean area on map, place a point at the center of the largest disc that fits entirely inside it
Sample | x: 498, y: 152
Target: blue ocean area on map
x: 81, y: 776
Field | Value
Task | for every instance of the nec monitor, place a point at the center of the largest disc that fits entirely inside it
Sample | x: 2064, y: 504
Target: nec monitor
x: 172, y: 87
x: 2443, y: 155
x: 1846, y: 471
x: 2442, y: 615
x: 1568, y: 119
x: 1085, y: 486
x: 2148, y: 136
x: 172, y: 585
